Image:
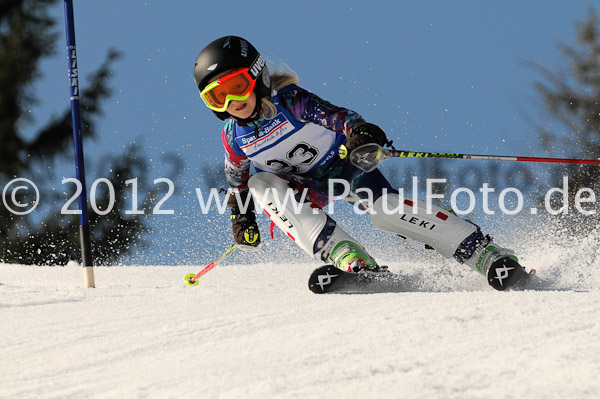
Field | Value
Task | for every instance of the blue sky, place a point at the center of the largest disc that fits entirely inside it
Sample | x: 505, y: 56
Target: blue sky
x: 445, y: 76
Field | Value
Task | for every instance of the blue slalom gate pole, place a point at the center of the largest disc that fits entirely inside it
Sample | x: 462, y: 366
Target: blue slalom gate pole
x: 84, y: 227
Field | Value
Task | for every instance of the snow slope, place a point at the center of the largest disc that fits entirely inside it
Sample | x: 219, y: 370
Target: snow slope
x: 255, y: 331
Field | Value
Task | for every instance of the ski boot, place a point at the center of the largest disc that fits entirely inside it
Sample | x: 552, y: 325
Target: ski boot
x: 352, y: 257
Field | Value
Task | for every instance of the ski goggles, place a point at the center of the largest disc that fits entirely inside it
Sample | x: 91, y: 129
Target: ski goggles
x: 236, y: 85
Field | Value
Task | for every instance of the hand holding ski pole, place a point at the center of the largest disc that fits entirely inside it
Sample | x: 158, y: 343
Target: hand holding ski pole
x: 369, y: 156
x: 192, y: 279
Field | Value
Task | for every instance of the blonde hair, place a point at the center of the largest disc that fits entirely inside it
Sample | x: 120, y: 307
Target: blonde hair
x: 279, y: 79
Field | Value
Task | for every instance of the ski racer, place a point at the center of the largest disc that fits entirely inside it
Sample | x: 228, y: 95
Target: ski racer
x: 295, y: 141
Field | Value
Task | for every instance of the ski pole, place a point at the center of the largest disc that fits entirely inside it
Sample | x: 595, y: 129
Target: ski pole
x: 192, y: 279
x: 369, y: 156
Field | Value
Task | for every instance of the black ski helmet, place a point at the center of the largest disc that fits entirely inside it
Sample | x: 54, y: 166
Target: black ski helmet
x: 227, y: 53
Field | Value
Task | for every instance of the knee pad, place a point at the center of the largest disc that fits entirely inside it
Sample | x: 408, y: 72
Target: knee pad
x: 438, y: 228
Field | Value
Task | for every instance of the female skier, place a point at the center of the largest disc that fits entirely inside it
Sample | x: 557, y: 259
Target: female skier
x: 293, y: 139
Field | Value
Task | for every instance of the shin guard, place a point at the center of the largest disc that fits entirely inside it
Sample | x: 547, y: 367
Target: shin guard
x: 312, y: 230
x: 301, y: 222
x: 436, y: 227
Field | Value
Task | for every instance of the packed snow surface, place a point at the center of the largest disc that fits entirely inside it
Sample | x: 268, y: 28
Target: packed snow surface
x: 256, y: 331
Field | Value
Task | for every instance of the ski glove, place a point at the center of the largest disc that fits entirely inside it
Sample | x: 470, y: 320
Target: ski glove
x: 245, y: 231
x: 363, y: 133
x: 245, y: 228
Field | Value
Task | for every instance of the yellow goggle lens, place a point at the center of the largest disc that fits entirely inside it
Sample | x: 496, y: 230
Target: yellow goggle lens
x: 237, y: 85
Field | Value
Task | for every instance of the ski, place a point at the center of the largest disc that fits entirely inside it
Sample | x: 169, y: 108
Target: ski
x: 530, y: 281
x: 330, y: 279
x: 507, y: 274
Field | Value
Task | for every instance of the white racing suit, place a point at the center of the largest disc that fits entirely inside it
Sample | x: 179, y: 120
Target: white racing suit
x: 296, y: 156
x: 295, y: 205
